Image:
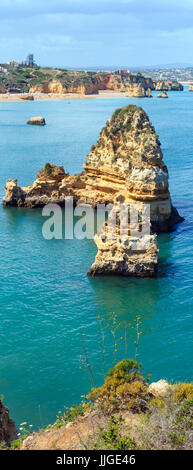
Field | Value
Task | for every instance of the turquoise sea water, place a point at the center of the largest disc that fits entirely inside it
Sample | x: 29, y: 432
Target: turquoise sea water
x: 45, y: 294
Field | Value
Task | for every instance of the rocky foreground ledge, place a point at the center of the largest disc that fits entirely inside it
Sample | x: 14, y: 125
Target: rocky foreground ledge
x: 124, y: 413
x: 126, y: 163
x: 8, y: 431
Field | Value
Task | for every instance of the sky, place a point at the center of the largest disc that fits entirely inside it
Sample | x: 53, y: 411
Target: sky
x: 91, y: 33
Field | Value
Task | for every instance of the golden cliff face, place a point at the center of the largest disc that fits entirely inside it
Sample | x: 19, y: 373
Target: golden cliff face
x: 126, y: 160
x: 108, y: 81
x: 122, y: 252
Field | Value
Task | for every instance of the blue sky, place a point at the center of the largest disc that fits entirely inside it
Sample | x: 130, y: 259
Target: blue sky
x: 97, y: 32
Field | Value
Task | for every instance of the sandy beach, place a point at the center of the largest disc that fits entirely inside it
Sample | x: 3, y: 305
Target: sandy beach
x: 58, y: 96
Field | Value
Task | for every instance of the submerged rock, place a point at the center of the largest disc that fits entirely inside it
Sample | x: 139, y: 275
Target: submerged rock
x: 37, y: 121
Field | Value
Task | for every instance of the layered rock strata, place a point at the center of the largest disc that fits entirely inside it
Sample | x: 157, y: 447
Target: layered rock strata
x: 127, y: 160
x: 167, y: 85
x: 123, y: 253
x: 37, y: 121
x: 119, y: 81
x: 162, y: 95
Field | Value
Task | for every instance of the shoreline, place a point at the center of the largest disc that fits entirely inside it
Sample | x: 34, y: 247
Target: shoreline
x: 60, y: 96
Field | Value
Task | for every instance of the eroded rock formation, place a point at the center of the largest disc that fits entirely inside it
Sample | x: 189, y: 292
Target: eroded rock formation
x: 37, y: 121
x: 162, y: 95
x: 127, y: 159
x: 92, y: 83
x: 8, y: 431
x: 127, y: 164
x: 121, y: 253
x: 167, y: 85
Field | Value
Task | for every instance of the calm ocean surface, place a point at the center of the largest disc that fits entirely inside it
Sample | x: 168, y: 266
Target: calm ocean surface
x: 45, y: 294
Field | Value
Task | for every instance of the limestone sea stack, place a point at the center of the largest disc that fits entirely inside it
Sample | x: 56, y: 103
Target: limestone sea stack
x: 37, y: 121
x: 163, y: 95
x: 135, y: 90
x: 126, y: 165
x: 124, y: 255
x: 149, y: 95
x: 127, y: 160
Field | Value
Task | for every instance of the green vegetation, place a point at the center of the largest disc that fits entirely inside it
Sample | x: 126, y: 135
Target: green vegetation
x: 131, y: 416
x: 124, y: 388
x: 24, y: 78
x: 115, y: 157
x: 71, y: 414
x: 48, y: 169
x: 111, y: 438
x: 121, y: 111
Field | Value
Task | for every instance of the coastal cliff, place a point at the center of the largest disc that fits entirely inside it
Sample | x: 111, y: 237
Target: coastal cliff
x: 8, y: 430
x: 125, y: 413
x: 167, y: 85
x: 59, y: 81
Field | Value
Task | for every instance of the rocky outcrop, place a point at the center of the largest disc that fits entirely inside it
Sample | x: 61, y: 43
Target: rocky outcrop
x: 125, y: 166
x: 191, y: 87
x: 27, y: 97
x: 136, y: 91
x: 163, y: 95
x: 167, y: 85
x: 149, y: 95
x: 8, y: 431
x: 2, y: 89
x: 160, y: 388
x: 37, y: 121
x: 123, y: 253
x: 127, y: 160
x: 56, y: 86
x: 92, y: 83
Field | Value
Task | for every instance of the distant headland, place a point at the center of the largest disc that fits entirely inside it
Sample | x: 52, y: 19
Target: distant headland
x: 20, y: 79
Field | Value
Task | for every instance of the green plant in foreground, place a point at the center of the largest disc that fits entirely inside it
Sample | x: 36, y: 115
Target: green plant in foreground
x: 124, y: 388
x: 3, y: 446
x: 111, y: 438
x: 70, y: 415
x: 17, y: 443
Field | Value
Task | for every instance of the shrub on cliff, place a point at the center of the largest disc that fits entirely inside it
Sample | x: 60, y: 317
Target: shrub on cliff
x: 48, y: 169
x: 124, y: 388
